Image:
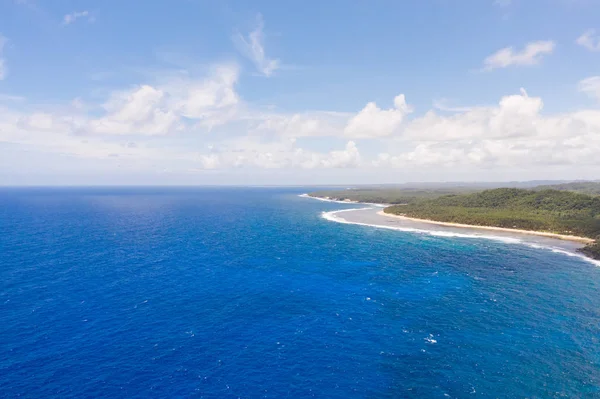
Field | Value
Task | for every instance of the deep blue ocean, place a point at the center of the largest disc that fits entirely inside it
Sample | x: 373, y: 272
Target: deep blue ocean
x: 249, y: 292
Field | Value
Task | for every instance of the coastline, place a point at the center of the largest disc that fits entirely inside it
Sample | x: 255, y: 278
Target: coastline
x: 583, y: 240
x: 346, y: 201
x: 373, y: 217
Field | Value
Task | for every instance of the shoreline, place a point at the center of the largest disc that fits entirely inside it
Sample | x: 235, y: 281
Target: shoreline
x: 583, y: 240
x: 345, y: 201
x: 571, y: 246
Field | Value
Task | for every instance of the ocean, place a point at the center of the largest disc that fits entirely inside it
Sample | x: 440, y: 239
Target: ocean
x: 252, y: 293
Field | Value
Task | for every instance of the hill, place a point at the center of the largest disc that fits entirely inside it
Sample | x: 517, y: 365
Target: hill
x: 554, y: 211
x: 389, y: 195
x: 587, y: 187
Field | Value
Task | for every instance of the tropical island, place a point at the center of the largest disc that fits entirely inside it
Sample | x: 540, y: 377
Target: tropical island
x: 566, y: 210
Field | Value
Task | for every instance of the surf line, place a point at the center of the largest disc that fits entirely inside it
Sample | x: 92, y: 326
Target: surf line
x: 333, y: 216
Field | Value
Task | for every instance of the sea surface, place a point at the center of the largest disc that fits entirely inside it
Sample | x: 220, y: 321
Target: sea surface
x: 253, y: 293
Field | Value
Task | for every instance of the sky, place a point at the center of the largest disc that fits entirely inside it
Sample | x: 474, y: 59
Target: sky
x: 191, y: 92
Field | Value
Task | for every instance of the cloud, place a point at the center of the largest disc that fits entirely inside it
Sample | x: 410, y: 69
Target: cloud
x: 370, y: 122
x: 11, y: 98
x: 74, y: 16
x: 306, y: 124
x: 373, y: 121
x: 502, y: 3
x: 204, y: 98
x: 284, y: 154
x: 513, y: 117
x: 200, y: 122
x: 3, y: 68
x: 591, y: 87
x: 210, y: 161
x: 530, y: 55
x: 349, y: 157
x: 512, y: 134
x: 170, y: 106
x: 253, y: 47
x: 141, y: 110
x: 442, y: 105
x: 589, y: 40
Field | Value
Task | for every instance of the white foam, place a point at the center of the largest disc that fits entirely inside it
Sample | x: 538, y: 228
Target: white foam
x: 327, y: 199
x: 332, y: 216
x: 430, y: 339
x: 343, y: 202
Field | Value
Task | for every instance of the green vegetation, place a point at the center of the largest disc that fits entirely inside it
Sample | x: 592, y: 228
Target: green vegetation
x: 588, y: 187
x: 389, y: 195
x: 554, y: 211
x: 567, y: 208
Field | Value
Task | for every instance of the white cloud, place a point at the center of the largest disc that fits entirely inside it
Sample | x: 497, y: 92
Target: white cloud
x: 372, y: 121
x: 591, y: 87
x: 349, y: 157
x: 166, y: 108
x: 530, y: 55
x: 307, y: 124
x: 74, y: 16
x: 210, y: 161
x: 246, y: 152
x: 589, y: 40
x: 253, y: 47
x: 202, y: 99
x: 201, y: 123
x: 512, y: 134
x: 3, y: 68
x: 442, y: 105
x: 141, y: 110
x: 514, y: 116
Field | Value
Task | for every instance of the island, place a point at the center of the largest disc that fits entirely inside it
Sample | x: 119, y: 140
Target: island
x: 564, y: 211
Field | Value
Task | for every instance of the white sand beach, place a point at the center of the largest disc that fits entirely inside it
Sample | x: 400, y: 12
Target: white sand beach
x: 584, y: 240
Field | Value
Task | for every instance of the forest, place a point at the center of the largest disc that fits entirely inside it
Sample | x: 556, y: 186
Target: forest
x: 389, y: 195
x: 566, y: 208
x: 561, y: 212
x: 584, y: 187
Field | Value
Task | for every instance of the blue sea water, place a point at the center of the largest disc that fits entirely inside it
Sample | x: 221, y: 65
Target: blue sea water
x: 249, y: 292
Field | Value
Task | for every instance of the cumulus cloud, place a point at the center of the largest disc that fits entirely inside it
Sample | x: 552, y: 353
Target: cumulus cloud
x: 253, y: 47
x: 373, y: 121
x: 512, y: 134
x: 347, y: 158
x: 531, y: 54
x: 591, y: 87
x: 589, y: 40
x: 204, y: 124
x: 164, y: 109
x: 201, y: 99
x: 141, y: 110
x: 514, y: 116
x: 3, y: 68
x: 74, y: 16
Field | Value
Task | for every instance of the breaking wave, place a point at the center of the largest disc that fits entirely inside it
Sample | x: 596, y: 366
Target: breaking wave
x: 333, y: 216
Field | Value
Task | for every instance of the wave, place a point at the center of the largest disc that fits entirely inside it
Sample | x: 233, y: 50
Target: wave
x: 327, y: 200
x: 343, y: 202
x: 332, y: 216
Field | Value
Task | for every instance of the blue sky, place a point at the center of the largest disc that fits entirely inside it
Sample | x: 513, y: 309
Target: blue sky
x: 271, y: 92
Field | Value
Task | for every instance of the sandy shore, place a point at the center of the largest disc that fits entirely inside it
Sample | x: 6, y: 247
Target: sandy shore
x: 584, y: 240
